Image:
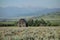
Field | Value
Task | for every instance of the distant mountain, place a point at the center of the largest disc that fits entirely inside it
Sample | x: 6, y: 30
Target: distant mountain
x: 17, y: 12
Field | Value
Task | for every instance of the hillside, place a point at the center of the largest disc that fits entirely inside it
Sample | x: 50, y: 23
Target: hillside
x: 50, y: 16
x: 53, y: 18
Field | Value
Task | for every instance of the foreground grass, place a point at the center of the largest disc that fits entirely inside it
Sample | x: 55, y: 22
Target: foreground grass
x: 30, y: 33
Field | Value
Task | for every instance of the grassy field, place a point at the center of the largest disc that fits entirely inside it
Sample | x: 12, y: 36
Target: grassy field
x: 11, y: 22
x: 30, y: 33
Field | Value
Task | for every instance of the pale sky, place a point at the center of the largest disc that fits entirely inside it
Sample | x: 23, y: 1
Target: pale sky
x: 30, y: 3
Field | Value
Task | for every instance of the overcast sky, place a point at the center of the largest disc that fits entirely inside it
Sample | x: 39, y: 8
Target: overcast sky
x: 30, y: 3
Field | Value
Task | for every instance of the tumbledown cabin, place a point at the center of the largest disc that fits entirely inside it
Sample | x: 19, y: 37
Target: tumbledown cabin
x: 22, y: 23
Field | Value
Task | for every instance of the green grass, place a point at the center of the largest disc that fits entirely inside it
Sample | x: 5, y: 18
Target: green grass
x: 12, y: 22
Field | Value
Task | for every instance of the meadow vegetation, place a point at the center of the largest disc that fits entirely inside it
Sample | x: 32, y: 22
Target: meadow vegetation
x: 30, y: 33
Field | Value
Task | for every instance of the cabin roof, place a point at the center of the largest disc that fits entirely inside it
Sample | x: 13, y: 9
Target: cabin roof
x: 23, y: 20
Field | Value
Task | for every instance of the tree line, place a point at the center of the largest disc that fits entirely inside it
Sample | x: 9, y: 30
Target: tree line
x: 38, y: 22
